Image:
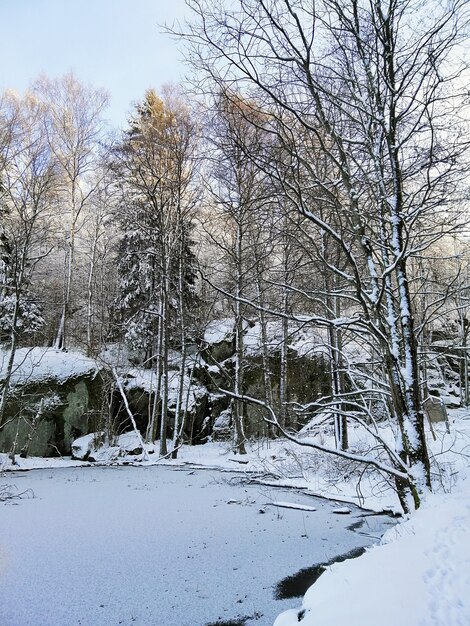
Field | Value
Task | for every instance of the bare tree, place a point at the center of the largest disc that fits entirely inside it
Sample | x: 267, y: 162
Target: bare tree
x: 28, y: 179
x: 239, y: 195
x: 74, y: 129
x: 375, y: 88
x: 99, y: 237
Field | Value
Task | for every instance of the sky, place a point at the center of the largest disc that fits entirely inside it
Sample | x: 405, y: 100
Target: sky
x: 117, y: 45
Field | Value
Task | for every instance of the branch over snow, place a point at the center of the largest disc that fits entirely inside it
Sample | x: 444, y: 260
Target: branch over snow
x: 129, y: 412
x: 367, y: 460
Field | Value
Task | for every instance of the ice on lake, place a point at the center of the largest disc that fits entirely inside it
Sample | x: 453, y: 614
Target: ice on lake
x: 159, y: 546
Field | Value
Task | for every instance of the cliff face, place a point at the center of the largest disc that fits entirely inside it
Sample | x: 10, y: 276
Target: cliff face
x: 55, y: 397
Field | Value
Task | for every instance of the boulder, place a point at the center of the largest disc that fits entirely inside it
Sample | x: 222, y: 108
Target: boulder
x: 55, y: 398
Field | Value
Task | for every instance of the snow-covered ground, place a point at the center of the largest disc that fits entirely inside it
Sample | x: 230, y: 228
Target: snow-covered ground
x: 418, y: 576
x: 420, y: 573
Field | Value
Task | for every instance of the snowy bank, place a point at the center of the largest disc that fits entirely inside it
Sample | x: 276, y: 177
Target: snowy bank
x: 420, y: 573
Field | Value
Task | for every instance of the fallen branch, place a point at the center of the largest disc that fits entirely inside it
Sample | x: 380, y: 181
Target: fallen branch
x: 367, y: 460
x: 8, y: 492
x: 291, y: 505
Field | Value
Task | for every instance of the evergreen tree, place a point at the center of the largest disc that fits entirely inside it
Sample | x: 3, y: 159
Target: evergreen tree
x: 154, y: 170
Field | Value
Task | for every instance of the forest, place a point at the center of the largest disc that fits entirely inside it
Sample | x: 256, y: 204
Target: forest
x: 303, y: 199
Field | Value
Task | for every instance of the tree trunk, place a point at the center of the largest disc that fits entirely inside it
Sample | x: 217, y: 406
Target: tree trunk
x: 165, y: 373
x: 238, y: 406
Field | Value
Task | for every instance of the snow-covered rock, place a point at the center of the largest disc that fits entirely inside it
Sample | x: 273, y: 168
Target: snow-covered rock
x: 145, y: 379
x: 52, y: 397
x: 82, y: 446
x: 37, y: 364
x: 129, y: 443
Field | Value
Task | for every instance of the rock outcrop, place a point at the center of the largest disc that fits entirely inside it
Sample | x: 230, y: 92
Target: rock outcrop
x: 54, y: 398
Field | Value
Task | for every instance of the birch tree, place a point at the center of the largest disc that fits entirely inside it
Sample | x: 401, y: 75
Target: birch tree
x: 28, y: 180
x: 238, y: 192
x: 377, y: 89
x: 99, y: 234
x: 74, y: 128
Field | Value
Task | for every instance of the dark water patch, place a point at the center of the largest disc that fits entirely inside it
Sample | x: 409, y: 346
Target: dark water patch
x: 296, y: 585
x: 230, y: 622
x: 356, y: 525
x: 352, y: 554
x: 372, y: 525
x: 240, y: 621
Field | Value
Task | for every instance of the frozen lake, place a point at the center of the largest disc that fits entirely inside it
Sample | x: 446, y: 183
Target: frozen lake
x: 159, y: 546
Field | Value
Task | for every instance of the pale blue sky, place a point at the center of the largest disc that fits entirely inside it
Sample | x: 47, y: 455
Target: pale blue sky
x: 114, y: 44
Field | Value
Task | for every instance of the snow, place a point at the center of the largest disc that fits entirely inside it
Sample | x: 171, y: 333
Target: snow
x: 342, y: 510
x: 111, y: 521
x: 156, y: 546
x: 222, y: 421
x: 36, y: 364
x: 82, y: 446
x: 219, y: 330
x: 280, y: 461
x: 303, y: 340
x: 426, y: 559
x: 129, y: 442
x: 427, y: 565
x: 91, y: 445
x: 137, y: 378
x: 292, y: 505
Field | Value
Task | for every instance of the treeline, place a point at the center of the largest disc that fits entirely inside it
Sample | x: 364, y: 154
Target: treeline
x: 319, y: 178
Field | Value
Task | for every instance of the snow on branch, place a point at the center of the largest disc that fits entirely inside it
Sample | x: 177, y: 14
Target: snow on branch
x: 367, y: 460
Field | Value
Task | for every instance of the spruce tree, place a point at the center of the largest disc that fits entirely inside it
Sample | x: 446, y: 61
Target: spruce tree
x: 156, y: 264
